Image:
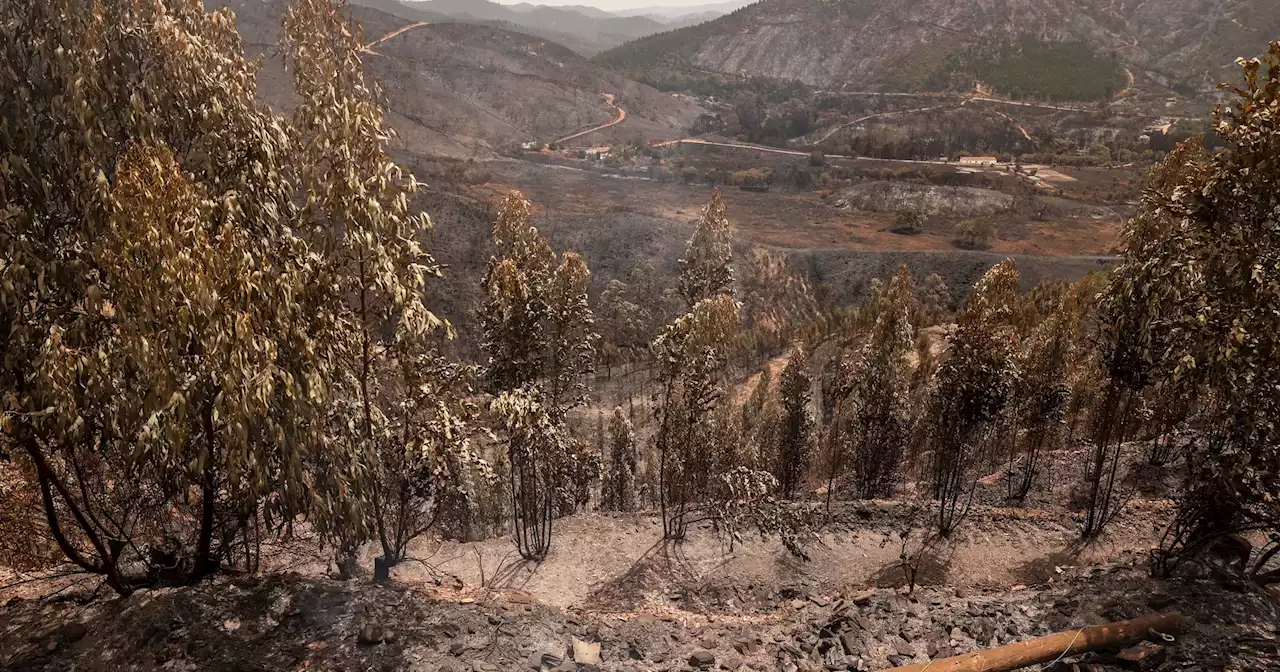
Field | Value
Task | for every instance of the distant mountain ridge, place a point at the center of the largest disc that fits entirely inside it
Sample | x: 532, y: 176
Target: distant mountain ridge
x: 586, y: 30
x: 935, y: 44
x: 685, y: 12
x: 462, y: 90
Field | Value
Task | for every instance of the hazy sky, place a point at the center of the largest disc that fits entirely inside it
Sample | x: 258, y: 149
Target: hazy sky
x: 615, y: 5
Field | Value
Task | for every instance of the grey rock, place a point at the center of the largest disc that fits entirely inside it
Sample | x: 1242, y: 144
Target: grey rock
x: 73, y: 632
x: 545, y: 660
x: 702, y: 659
x: 369, y: 634
x: 986, y: 630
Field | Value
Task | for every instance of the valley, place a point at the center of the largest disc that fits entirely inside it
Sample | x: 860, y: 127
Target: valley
x: 481, y: 111
x: 609, y: 336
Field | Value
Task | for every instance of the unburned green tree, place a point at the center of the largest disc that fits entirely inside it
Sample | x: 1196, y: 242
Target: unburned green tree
x: 908, y: 220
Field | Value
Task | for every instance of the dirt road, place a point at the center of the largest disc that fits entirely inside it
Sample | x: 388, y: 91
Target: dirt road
x: 788, y: 152
x: 368, y: 48
x: 621, y: 117
x: 869, y: 117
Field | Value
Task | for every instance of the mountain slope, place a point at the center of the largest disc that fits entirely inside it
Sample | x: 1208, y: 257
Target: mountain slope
x: 586, y: 30
x: 934, y: 44
x: 479, y: 89
x: 669, y: 13
x: 463, y: 90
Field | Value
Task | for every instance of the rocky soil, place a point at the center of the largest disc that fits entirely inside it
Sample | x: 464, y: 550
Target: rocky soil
x: 731, y: 616
x: 287, y: 622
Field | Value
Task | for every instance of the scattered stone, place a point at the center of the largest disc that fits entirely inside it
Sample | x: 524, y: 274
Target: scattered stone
x: 73, y: 632
x: 586, y: 653
x: 986, y: 630
x: 702, y: 659
x: 545, y: 660
x: 863, y: 597
x: 369, y: 634
x: 850, y: 642
x: 457, y: 649
x: 905, y: 649
x: 798, y: 604
x: 483, y: 666
x: 819, y: 600
x: 1144, y: 656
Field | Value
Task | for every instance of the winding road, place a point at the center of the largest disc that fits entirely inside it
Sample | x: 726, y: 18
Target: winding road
x: 837, y: 129
x: 621, y: 117
x: 788, y: 152
x: 368, y: 48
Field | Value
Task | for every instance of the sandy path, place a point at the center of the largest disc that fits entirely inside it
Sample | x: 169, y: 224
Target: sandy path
x: 619, y: 562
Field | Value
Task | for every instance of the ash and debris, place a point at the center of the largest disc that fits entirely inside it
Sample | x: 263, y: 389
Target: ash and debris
x: 287, y: 622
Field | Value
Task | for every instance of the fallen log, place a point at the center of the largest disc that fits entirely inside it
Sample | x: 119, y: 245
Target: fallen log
x: 1054, y: 647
